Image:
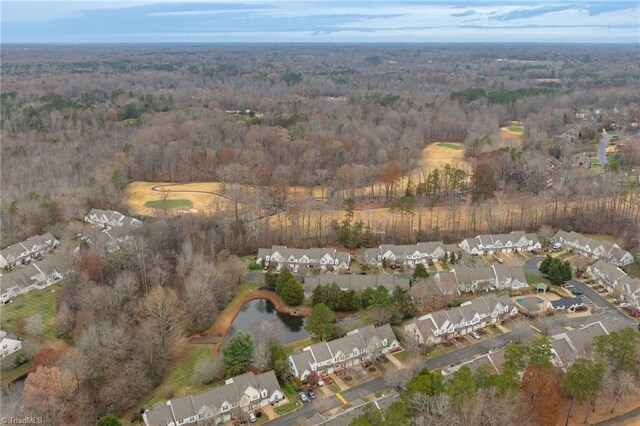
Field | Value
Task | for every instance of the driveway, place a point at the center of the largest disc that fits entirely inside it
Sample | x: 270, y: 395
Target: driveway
x: 602, y: 149
x: 597, y: 300
x: 455, y: 357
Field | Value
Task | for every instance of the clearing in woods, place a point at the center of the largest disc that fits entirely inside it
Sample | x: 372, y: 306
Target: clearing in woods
x: 146, y: 198
x: 516, y: 129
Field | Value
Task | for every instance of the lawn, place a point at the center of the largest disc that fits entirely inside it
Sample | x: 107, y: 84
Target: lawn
x: 402, y: 356
x: 516, y: 129
x: 334, y: 388
x: 291, y: 396
x: 290, y: 347
x: 535, y: 278
x: 449, y: 145
x: 178, y: 380
x: 14, y: 315
x: 176, y: 203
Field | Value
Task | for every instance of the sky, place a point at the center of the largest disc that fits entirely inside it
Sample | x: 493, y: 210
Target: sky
x: 320, y: 21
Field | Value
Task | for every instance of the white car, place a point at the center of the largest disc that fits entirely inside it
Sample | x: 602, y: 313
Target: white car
x: 320, y: 383
x: 625, y: 305
x: 499, y: 260
x: 252, y: 417
x: 475, y: 335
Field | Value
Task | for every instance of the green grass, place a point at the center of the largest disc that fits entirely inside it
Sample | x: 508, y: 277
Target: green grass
x: 449, y: 145
x: 176, y: 203
x: 179, y: 380
x: 290, y: 347
x: 534, y: 278
x: 402, y: 356
x: 14, y: 315
x: 334, y: 388
x: 291, y: 395
x: 495, y: 330
x: 516, y: 129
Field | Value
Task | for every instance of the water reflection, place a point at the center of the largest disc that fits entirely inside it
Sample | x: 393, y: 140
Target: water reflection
x: 259, y: 317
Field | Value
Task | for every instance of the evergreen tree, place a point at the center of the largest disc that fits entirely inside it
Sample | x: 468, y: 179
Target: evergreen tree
x: 292, y: 293
x: 320, y: 322
x: 420, y: 272
x: 238, y: 354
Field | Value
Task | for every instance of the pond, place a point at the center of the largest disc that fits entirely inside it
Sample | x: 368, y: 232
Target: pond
x: 260, y: 317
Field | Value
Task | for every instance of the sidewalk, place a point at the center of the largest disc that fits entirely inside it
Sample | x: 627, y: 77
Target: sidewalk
x: 338, y: 381
x: 395, y: 361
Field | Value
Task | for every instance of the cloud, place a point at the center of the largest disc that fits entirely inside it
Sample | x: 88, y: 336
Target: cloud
x: 530, y: 12
x: 465, y: 13
x: 270, y: 20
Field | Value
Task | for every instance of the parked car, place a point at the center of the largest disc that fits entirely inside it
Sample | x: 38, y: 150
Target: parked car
x: 576, y: 292
x: 400, y: 388
x: 320, y: 383
x: 311, y: 394
x: 252, y: 417
x: 625, y: 305
x: 475, y: 335
x: 499, y: 260
x: 303, y: 397
x: 570, y: 286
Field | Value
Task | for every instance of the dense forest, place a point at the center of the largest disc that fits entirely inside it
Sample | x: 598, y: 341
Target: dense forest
x: 78, y: 124
x: 304, y: 139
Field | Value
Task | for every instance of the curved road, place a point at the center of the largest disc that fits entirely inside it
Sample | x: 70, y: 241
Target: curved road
x: 531, y: 266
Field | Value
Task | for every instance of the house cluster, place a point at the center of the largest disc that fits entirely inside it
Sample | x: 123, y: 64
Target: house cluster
x: 243, y: 393
x: 567, y: 346
x: 39, y: 272
x: 8, y: 344
x: 357, y: 346
x: 593, y: 248
x: 355, y: 282
x: 611, y: 277
x: 37, y: 275
x: 442, y: 325
x: 408, y: 255
x: 117, y: 227
x: 501, y: 243
x: 294, y: 258
x: 28, y: 250
x: 464, y: 279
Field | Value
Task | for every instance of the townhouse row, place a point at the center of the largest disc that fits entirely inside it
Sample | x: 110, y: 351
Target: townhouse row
x: 611, y: 277
x: 240, y: 394
x: 354, y: 282
x: 24, y: 252
x: 116, y: 227
x: 501, y: 243
x: 37, y: 275
x: 593, y: 248
x: 396, y: 254
x: 362, y: 344
x: 437, y: 327
x: 409, y: 254
x: 464, y: 279
x: 294, y: 258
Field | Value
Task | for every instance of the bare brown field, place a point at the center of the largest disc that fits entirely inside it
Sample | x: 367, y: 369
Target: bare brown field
x: 208, y: 197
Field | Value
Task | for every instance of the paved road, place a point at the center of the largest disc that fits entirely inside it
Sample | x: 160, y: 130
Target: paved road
x: 602, y: 149
x: 635, y: 414
x: 531, y: 266
x: 254, y: 276
x: 441, y: 361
